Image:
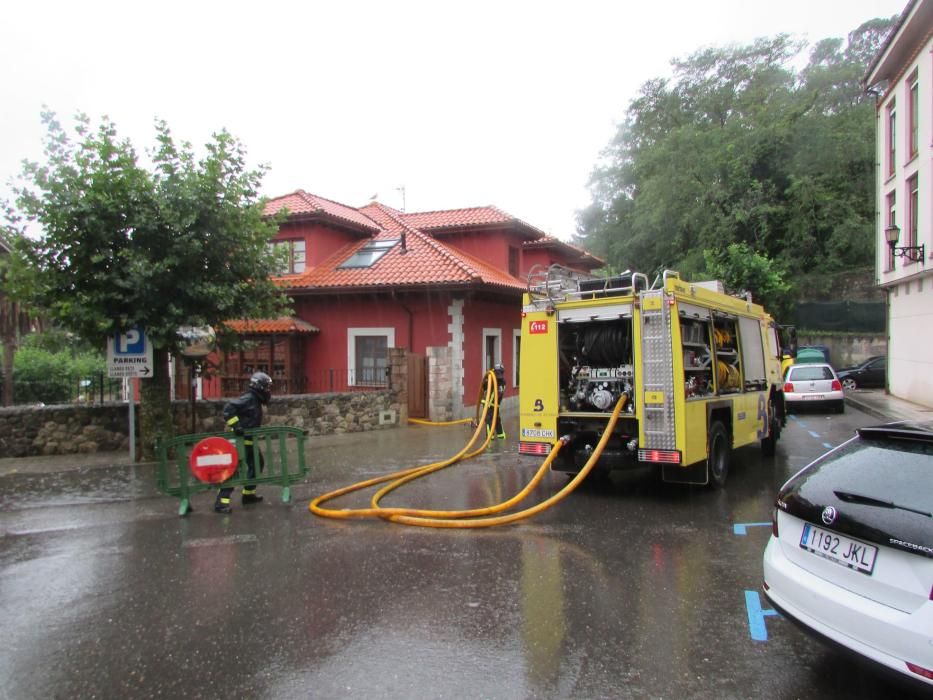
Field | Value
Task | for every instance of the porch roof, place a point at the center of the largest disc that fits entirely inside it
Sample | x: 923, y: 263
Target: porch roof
x: 285, y: 325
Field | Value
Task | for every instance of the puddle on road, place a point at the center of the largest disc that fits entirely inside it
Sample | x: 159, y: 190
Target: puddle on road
x: 19, y: 491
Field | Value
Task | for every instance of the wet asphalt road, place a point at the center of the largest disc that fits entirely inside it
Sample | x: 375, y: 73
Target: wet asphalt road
x: 631, y: 589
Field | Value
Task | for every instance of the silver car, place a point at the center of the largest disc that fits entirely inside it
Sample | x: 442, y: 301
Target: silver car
x: 815, y: 385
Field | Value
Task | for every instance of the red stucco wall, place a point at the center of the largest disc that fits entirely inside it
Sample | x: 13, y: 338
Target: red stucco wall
x: 321, y: 241
x: 479, y: 315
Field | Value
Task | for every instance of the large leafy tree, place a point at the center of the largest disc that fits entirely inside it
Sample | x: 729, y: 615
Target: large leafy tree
x: 16, y: 317
x: 739, y: 148
x: 116, y: 244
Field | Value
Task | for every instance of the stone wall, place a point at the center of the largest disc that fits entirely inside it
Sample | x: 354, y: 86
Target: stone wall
x: 440, y: 384
x: 49, y: 430
x: 849, y: 349
x: 52, y: 430
x: 73, y: 429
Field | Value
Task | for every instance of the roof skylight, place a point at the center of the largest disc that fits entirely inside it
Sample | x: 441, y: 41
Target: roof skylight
x: 369, y: 254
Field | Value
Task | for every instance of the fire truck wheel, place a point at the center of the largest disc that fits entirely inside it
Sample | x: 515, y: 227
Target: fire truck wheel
x: 717, y: 463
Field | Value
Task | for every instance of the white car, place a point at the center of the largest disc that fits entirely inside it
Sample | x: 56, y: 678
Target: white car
x: 813, y: 384
x: 850, y: 558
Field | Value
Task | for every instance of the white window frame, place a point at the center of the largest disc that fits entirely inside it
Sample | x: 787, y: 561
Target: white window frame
x: 288, y: 244
x: 491, y: 333
x: 352, y: 335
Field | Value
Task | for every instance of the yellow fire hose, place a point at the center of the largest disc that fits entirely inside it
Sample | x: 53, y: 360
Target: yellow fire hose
x: 421, y: 421
x: 480, y: 401
x: 477, y: 517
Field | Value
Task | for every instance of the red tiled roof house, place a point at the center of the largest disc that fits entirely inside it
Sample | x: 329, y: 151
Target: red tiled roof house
x: 443, y: 284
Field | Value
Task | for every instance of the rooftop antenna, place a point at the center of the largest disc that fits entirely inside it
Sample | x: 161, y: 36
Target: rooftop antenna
x: 401, y: 189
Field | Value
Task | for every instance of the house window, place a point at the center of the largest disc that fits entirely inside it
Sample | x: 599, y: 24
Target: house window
x: 293, y: 256
x: 492, y: 348
x: 367, y: 355
x: 369, y: 254
x: 891, y: 216
x: 891, y: 135
x: 513, y: 261
x: 913, y: 115
x: 913, y: 206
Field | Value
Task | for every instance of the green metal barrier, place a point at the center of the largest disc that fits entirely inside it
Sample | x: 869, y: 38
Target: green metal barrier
x: 282, y: 447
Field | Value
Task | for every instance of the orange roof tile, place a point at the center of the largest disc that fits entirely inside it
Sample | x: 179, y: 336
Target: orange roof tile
x: 580, y: 254
x: 300, y: 202
x: 423, y: 261
x: 266, y: 326
x: 457, y: 218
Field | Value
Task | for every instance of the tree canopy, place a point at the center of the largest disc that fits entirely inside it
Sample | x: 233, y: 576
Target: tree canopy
x: 184, y: 243
x: 739, y: 148
x: 113, y: 245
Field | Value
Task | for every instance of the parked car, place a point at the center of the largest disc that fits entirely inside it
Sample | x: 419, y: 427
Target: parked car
x: 850, y: 558
x: 870, y: 374
x: 813, y: 385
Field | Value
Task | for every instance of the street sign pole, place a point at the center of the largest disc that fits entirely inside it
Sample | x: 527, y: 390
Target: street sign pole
x: 129, y: 355
x: 128, y: 390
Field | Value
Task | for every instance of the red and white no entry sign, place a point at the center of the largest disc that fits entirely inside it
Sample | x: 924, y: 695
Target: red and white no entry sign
x: 213, y: 460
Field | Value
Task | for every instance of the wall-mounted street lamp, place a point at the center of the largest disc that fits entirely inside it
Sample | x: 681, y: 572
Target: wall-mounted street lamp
x: 911, y: 252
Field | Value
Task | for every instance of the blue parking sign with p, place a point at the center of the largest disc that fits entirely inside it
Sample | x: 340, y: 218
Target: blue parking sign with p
x: 131, y: 342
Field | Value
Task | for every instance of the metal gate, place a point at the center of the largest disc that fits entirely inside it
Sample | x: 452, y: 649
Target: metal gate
x: 417, y: 386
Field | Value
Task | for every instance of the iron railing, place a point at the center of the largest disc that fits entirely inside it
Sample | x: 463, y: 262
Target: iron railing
x: 100, y: 388
x: 323, y: 381
x: 97, y: 388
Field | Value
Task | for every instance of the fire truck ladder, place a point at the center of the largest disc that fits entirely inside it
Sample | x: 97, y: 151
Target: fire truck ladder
x: 657, y: 371
x: 557, y: 283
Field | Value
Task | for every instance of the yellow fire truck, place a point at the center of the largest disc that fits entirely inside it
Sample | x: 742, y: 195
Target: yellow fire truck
x: 700, y: 369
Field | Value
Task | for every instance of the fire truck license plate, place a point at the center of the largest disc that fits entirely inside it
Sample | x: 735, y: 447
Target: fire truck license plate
x: 839, y: 549
x: 535, y: 433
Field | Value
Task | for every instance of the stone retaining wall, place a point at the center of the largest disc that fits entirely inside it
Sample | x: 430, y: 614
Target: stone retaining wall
x: 49, y: 430
x: 847, y: 350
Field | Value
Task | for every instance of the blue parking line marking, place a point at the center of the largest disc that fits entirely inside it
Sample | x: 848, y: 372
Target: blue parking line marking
x: 815, y: 435
x: 828, y: 445
x: 742, y: 528
x: 756, y: 616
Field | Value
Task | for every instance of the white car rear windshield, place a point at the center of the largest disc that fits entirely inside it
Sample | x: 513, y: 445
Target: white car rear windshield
x: 901, y: 472
x: 810, y: 374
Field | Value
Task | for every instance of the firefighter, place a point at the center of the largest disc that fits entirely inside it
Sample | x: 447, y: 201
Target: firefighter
x: 241, y: 415
x: 499, y: 371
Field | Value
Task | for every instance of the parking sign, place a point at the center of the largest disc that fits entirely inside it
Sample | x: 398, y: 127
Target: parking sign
x: 129, y: 354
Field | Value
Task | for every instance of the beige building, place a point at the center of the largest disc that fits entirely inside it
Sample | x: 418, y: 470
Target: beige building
x: 901, y: 75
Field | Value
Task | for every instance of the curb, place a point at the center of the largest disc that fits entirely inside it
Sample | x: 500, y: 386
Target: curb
x: 869, y: 409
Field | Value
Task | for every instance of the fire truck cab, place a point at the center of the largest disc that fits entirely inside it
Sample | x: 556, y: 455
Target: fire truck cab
x: 700, y: 370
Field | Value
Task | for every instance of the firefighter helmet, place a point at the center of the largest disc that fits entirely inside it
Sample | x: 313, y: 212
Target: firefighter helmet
x: 261, y: 384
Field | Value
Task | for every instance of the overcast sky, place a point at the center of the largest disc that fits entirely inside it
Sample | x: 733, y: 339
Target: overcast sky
x: 461, y: 104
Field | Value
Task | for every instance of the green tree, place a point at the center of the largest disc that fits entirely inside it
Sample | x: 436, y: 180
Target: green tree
x: 50, y: 369
x: 742, y: 270
x: 739, y: 148
x: 16, y: 317
x: 183, y: 243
